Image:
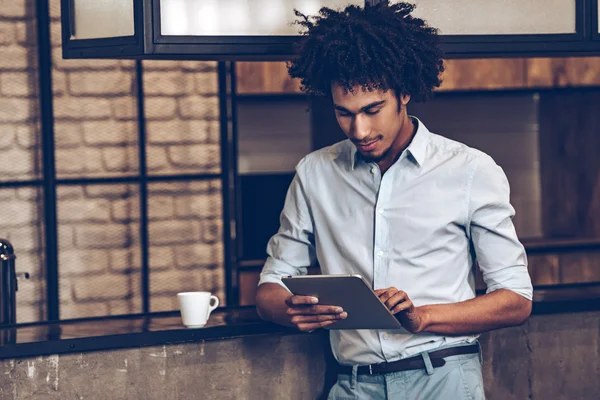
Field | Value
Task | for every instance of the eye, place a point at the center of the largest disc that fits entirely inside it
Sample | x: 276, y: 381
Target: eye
x: 343, y: 114
x: 370, y: 112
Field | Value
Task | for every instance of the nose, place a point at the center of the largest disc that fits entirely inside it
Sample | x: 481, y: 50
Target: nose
x: 361, y: 127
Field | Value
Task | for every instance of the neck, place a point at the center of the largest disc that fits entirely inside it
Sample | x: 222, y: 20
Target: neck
x: 407, y: 131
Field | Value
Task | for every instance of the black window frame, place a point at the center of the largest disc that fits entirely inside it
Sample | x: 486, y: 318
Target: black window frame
x: 49, y: 183
x: 148, y: 43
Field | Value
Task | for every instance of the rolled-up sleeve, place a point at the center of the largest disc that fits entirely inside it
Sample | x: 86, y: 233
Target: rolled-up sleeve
x: 500, y: 254
x: 291, y: 250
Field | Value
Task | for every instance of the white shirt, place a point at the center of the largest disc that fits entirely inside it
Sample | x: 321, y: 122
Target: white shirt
x: 417, y: 228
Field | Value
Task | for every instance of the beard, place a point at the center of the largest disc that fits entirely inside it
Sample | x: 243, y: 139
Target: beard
x: 375, y: 158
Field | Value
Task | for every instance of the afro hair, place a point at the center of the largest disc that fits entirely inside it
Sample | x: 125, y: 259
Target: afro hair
x: 379, y: 47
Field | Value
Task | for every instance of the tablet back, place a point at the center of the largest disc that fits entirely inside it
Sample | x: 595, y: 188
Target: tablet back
x: 352, y: 293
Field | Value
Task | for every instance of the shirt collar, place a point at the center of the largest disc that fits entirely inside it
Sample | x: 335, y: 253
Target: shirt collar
x: 417, y: 147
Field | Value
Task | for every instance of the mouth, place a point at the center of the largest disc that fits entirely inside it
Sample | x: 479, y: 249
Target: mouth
x: 368, y: 146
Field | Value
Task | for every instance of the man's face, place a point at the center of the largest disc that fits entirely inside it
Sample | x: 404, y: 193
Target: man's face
x: 372, y: 120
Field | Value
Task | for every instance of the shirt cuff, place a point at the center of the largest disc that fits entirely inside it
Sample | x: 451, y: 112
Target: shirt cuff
x: 517, y: 280
x: 275, y: 269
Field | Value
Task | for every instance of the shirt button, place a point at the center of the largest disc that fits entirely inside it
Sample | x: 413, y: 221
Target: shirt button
x: 380, y: 211
x: 373, y: 170
x: 380, y: 253
x: 385, y: 336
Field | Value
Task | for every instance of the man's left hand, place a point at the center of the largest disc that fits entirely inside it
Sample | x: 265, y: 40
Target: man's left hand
x: 411, y: 318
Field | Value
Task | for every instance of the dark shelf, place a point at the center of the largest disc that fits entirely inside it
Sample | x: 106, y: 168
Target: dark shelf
x: 560, y: 245
x: 250, y: 264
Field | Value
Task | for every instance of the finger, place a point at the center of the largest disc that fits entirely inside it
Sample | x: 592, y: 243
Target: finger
x: 387, y: 294
x: 384, y: 295
x: 312, y: 327
x: 380, y: 291
x: 309, y: 319
x: 313, y: 310
x: 301, y: 300
x: 404, y: 306
x: 399, y: 297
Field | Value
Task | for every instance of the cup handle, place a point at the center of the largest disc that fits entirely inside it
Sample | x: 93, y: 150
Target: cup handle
x: 211, y: 307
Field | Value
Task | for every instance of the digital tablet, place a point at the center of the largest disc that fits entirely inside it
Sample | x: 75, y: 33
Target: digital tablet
x: 352, y: 293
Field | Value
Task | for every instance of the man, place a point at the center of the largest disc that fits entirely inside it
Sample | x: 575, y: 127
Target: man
x: 403, y: 207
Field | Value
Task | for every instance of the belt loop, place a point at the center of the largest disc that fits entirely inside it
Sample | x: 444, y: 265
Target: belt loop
x: 427, y: 361
x: 353, y: 377
x: 480, y: 352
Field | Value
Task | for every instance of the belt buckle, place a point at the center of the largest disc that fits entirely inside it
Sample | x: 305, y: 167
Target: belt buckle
x: 370, y: 369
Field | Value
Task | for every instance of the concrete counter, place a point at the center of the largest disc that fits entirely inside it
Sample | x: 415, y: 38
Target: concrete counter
x: 256, y: 367
x: 552, y: 356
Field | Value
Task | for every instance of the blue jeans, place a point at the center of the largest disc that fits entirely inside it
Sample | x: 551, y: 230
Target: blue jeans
x: 459, y: 379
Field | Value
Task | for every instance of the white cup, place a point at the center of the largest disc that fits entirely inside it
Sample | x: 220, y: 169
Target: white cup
x: 196, y: 307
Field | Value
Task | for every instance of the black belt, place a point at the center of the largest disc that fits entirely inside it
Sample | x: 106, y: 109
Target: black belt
x: 416, y: 362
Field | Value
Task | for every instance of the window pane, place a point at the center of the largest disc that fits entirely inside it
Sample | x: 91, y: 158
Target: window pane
x: 186, y: 241
x: 102, y: 19
x: 182, y: 113
x: 510, y: 17
x: 238, y: 17
x: 19, y: 107
x: 99, y: 253
x: 21, y: 224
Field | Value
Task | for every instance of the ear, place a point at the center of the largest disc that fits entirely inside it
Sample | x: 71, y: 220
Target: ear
x: 404, y: 99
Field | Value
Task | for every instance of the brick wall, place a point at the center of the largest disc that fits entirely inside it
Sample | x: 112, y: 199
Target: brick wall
x: 96, y: 136
x: 20, y: 211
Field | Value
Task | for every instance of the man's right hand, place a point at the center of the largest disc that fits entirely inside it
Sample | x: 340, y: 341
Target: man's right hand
x: 307, y: 315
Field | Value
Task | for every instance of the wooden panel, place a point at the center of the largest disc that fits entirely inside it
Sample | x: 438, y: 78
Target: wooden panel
x: 562, y: 72
x: 580, y: 267
x: 569, y: 164
x: 584, y: 292
x: 248, y: 280
x: 467, y: 74
x: 264, y: 77
x: 483, y: 74
x: 544, y: 269
x: 476, y: 74
x: 559, y: 268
